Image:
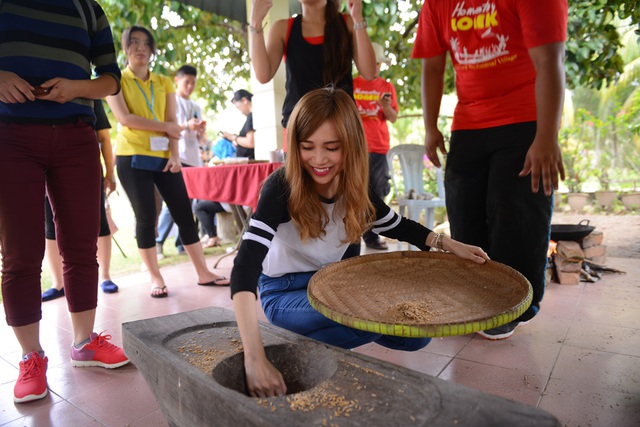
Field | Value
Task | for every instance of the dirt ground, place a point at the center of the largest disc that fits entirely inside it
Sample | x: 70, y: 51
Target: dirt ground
x: 621, y: 232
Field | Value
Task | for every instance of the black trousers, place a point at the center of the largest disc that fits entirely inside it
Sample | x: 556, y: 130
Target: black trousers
x: 138, y: 184
x: 379, y: 183
x: 490, y: 206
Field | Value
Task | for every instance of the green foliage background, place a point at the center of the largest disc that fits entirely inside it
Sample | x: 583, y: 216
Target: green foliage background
x: 219, y: 46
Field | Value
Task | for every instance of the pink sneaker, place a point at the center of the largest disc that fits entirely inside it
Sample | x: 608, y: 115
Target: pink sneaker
x: 98, y: 352
x: 32, y: 379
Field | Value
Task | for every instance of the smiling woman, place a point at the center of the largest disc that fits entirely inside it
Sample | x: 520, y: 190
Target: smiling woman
x: 307, y: 215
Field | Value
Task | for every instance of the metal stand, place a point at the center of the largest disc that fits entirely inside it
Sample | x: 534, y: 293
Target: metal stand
x: 241, y: 219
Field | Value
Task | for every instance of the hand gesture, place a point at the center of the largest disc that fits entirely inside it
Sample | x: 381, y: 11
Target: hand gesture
x: 355, y: 10
x: 385, y: 100
x: 433, y: 140
x: 263, y: 379
x: 14, y: 89
x: 259, y: 10
x: 543, y: 160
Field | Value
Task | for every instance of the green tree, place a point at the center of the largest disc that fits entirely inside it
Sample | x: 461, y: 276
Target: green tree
x: 214, y: 44
x: 219, y: 47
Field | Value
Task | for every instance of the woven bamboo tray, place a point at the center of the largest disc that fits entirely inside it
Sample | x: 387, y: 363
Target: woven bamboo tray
x: 419, y: 294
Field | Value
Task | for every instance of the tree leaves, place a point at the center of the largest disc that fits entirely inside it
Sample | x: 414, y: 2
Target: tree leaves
x: 218, y: 47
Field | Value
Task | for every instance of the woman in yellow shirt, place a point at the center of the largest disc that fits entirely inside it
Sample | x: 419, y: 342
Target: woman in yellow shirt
x: 147, y: 157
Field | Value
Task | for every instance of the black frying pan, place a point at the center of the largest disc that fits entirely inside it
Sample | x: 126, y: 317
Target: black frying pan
x: 571, y: 232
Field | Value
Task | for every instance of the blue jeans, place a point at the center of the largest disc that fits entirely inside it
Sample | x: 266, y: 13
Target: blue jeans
x: 490, y: 206
x: 285, y: 303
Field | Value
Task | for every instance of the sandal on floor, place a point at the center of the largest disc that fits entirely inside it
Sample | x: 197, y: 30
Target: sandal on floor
x: 52, y: 293
x: 108, y: 287
x: 216, y: 282
x: 163, y: 294
x: 212, y: 242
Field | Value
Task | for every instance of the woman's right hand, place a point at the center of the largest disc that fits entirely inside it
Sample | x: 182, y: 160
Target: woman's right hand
x: 434, y: 141
x: 263, y: 379
x: 173, y: 130
x: 259, y: 10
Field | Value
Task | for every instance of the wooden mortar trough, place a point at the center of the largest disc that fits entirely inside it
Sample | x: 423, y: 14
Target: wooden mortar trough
x: 193, y: 363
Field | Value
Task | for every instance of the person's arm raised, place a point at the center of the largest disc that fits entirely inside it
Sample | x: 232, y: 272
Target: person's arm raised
x: 363, y: 54
x: 265, y: 57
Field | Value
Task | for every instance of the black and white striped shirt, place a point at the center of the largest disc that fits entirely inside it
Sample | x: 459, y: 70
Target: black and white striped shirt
x: 272, y: 244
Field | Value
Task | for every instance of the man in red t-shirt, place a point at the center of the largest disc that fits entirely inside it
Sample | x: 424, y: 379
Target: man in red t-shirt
x: 377, y: 102
x: 509, y: 63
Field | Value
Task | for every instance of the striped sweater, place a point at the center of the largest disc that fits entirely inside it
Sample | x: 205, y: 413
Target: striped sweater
x: 43, y: 39
x: 272, y: 244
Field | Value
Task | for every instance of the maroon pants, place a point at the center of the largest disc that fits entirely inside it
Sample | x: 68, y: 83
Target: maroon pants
x: 64, y: 161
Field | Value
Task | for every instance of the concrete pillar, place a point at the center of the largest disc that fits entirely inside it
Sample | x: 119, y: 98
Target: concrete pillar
x: 268, y: 98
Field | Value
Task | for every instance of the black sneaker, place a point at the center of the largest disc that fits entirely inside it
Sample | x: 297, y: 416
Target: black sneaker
x: 504, y: 331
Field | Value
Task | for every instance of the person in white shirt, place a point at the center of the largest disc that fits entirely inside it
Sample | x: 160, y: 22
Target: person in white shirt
x: 189, y: 116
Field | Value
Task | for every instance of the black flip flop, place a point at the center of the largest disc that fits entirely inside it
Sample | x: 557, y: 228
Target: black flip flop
x: 215, y: 282
x: 162, y: 295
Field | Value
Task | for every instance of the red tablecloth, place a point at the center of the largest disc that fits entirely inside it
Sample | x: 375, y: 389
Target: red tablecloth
x: 235, y: 184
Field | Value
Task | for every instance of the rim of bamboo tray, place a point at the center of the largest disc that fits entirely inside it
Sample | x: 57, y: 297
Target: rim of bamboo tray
x: 455, y: 296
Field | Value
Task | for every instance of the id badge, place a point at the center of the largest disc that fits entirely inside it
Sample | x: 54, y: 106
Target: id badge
x: 159, y: 143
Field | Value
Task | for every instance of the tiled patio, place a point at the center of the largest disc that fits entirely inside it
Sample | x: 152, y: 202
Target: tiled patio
x: 579, y: 359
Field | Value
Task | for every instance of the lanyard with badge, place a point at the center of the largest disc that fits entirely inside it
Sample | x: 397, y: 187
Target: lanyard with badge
x: 158, y: 143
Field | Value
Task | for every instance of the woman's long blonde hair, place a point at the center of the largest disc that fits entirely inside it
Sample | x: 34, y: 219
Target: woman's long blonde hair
x: 305, y: 206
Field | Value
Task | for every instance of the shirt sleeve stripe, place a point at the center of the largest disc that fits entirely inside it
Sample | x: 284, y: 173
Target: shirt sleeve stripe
x: 389, y: 225
x: 262, y: 226
x: 388, y: 217
x: 258, y: 239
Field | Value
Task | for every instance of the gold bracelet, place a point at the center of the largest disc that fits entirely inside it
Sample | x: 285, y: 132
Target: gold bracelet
x: 256, y: 30
x: 359, y: 25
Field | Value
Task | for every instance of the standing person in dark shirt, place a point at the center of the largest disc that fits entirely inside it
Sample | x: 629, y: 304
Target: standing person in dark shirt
x: 48, y: 144
x: 243, y: 141
x: 307, y: 215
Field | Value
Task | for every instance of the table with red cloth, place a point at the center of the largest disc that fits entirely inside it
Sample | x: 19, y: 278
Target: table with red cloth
x: 234, y: 184
x: 239, y: 185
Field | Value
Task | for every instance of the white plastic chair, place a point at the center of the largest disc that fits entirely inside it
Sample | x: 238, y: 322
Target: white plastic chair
x: 411, y: 157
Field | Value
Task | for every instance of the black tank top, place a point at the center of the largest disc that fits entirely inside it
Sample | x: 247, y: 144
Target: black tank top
x: 304, y: 65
